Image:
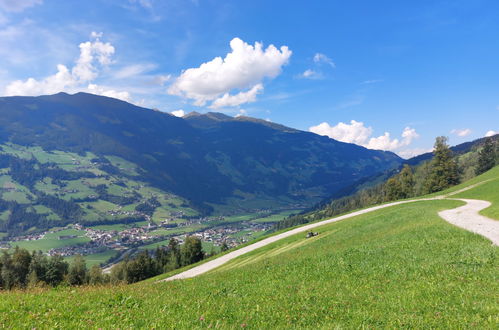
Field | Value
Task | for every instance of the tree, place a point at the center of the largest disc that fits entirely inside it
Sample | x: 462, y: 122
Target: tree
x: 173, y: 255
x: 57, y: 268
x: 406, y: 179
x: 21, y: 260
x: 95, y: 276
x: 392, y: 189
x: 486, y: 157
x: 443, y: 168
x: 191, y: 251
x: 77, y: 271
x: 140, y: 268
x: 38, y: 266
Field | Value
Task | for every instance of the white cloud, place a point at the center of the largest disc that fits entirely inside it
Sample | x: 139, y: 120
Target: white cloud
x: 384, y: 142
x: 136, y: 69
x: 490, y: 133
x: 311, y: 74
x: 409, y: 153
x: 241, y: 113
x: 99, y: 90
x: 50, y: 85
x: 91, y: 52
x: 94, y: 55
x: 321, y: 58
x: 357, y: 133
x: 178, y: 113
x: 18, y: 5
x: 243, y: 68
x: 234, y: 100
x: 461, y: 132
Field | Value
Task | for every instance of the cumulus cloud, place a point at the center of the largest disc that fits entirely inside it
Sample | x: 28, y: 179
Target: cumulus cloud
x: 321, y: 58
x: 18, y: 5
x: 234, y: 100
x: 357, y: 133
x: 461, y: 132
x: 244, y: 68
x: 490, y: 133
x: 94, y: 55
x: 178, y: 113
x: 99, y: 90
x: 384, y: 142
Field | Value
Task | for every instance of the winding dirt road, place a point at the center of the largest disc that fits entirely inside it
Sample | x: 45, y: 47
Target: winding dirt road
x: 465, y: 216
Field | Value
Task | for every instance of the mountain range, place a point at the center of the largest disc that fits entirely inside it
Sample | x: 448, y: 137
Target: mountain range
x: 205, y: 158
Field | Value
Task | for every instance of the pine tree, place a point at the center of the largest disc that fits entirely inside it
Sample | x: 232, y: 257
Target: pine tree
x: 486, y: 157
x: 443, y: 168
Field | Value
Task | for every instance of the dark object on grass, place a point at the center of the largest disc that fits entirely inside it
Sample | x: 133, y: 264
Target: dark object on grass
x: 311, y: 234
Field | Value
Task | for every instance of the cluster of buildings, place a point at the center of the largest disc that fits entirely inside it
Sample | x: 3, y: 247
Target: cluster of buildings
x: 85, y: 249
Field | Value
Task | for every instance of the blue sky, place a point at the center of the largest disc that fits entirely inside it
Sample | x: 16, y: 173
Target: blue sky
x: 388, y: 75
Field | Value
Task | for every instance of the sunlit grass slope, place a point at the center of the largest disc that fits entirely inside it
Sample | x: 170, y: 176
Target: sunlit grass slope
x: 400, y: 266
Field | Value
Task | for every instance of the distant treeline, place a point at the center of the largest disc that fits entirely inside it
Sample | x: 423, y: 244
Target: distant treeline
x: 22, y: 269
x: 442, y: 171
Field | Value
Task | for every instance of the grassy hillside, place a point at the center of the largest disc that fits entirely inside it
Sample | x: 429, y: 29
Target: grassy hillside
x: 398, y: 267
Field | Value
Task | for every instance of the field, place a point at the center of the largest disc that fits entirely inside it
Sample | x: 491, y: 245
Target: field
x: 95, y: 259
x: 402, y: 266
x: 52, y: 241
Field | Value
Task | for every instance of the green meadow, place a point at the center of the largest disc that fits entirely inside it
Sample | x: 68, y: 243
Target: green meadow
x: 401, y: 266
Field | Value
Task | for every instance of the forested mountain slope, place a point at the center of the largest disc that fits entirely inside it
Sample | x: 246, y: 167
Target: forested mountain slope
x: 203, y: 158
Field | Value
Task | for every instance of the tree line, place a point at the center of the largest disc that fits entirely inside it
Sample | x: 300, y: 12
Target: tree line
x: 22, y: 269
x: 441, y: 172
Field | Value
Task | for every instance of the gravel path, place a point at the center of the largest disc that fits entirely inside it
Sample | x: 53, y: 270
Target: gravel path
x: 466, y: 217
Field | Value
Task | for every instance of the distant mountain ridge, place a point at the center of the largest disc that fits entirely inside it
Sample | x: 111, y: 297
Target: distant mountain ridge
x: 205, y: 158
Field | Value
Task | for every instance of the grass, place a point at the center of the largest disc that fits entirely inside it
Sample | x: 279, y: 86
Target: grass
x: 276, y: 217
x: 52, y: 241
x: 117, y: 227
x: 96, y: 258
